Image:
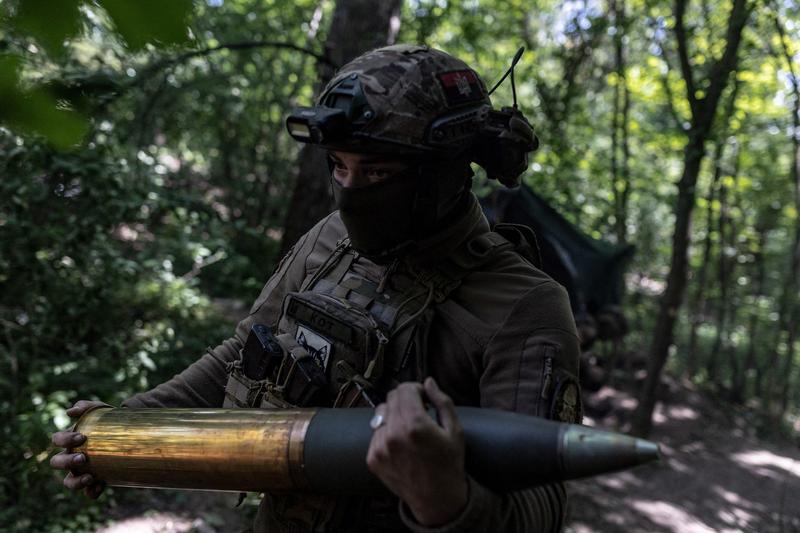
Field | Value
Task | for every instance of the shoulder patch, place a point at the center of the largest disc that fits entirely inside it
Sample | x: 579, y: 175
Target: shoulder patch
x: 566, y: 406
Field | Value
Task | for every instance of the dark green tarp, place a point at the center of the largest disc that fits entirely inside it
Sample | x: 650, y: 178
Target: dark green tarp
x: 591, y: 270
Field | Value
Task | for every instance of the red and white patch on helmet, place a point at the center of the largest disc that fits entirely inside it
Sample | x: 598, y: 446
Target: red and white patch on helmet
x: 461, y: 86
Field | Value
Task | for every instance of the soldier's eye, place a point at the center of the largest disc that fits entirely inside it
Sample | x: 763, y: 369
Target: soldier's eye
x: 378, y: 173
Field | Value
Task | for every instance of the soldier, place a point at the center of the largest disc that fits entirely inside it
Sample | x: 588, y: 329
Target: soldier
x: 404, y: 299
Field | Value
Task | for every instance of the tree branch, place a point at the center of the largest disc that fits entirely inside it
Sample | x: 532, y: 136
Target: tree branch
x: 722, y: 68
x: 679, y: 122
x: 787, y: 55
x: 248, y: 45
x: 200, y: 264
x: 683, y: 55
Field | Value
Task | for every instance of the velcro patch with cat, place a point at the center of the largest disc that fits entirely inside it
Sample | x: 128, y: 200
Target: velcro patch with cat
x: 318, y: 346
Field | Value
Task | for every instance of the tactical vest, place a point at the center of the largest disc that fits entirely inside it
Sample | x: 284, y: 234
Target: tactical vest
x: 364, y: 336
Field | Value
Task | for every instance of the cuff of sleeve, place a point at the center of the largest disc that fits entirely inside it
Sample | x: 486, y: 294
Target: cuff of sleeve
x: 473, y: 511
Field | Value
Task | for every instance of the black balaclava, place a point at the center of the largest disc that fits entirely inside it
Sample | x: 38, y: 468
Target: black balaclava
x: 386, y: 220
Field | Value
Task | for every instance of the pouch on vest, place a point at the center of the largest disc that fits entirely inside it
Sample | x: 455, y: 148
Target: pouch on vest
x: 323, y: 324
x: 273, y: 372
x: 241, y: 391
x: 247, y: 376
x: 299, y: 380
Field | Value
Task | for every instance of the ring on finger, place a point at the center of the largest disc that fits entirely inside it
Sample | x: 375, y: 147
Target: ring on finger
x: 377, y: 421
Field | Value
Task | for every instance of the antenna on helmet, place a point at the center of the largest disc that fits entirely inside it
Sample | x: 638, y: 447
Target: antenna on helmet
x: 510, y: 70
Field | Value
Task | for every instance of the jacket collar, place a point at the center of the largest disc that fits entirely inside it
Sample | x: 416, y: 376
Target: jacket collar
x: 442, y: 244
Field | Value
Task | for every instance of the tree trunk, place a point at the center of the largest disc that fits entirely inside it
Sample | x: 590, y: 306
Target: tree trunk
x: 698, y: 306
x: 620, y: 170
x: 739, y: 387
x: 357, y: 26
x: 712, y: 363
x: 732, y: 350
x: 730, y: 264
x: 703, y: 111
x: 788, y: 365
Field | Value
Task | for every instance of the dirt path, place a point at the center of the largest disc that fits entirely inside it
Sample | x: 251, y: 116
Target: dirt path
x: 167, y: 511
x: 714, y: 474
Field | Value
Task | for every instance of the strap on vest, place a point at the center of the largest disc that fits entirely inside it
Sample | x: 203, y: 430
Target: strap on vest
x: 339, y: 261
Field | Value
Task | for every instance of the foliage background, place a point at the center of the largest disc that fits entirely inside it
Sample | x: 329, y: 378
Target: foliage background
x: 145, y: 174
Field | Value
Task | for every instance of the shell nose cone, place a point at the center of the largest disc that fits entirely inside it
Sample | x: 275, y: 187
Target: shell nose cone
x: 589, y: 451
x: 647, y: 451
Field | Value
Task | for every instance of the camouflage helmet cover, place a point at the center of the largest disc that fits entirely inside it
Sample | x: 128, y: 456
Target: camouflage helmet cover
x: 407, y: 88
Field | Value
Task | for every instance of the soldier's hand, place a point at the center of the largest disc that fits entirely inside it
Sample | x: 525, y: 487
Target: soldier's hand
x: 419, y: 460
x: 66, y: 460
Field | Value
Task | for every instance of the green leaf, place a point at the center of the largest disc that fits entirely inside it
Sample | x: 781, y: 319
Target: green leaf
x: 36, y: 110
x: 143, y: 21
x: 50, y: 23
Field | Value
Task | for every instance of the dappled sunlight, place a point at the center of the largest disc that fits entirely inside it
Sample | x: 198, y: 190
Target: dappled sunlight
x: 666, y: 450
x: 607, y: 392
x: 767, y: 463
x: 678, y: 413
x: 627, y: 403
x: 610, y: 517
x: 739, y: 509
x: 737, y: 519
x: 682, y: 412
x: 680, y: 466
x: 727, y: 495
x: 620, y: 481
x: 156, y: 523
x: 670, y: 516
x: 740, y: 512
x: 693, y: 447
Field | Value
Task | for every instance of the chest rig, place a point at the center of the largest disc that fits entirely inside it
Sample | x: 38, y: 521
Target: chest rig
x: 344, y: 338
x: 367, y: 333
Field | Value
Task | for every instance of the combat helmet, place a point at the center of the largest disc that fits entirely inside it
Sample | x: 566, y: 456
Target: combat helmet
x: 409, y: 99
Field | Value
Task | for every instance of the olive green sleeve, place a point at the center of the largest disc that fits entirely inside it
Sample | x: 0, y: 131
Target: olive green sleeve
x: 202, y: 384
x: 529, y: 511
x: 528, y: 362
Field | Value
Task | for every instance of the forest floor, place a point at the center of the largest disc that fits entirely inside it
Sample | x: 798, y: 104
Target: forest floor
x: 714, y: 475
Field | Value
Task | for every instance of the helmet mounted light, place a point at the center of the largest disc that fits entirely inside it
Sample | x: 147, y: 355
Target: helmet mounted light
x: 342, y: 110
x: 317, y: 125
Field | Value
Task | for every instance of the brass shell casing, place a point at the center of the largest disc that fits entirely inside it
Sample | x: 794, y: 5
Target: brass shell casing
x: 252, y: 450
